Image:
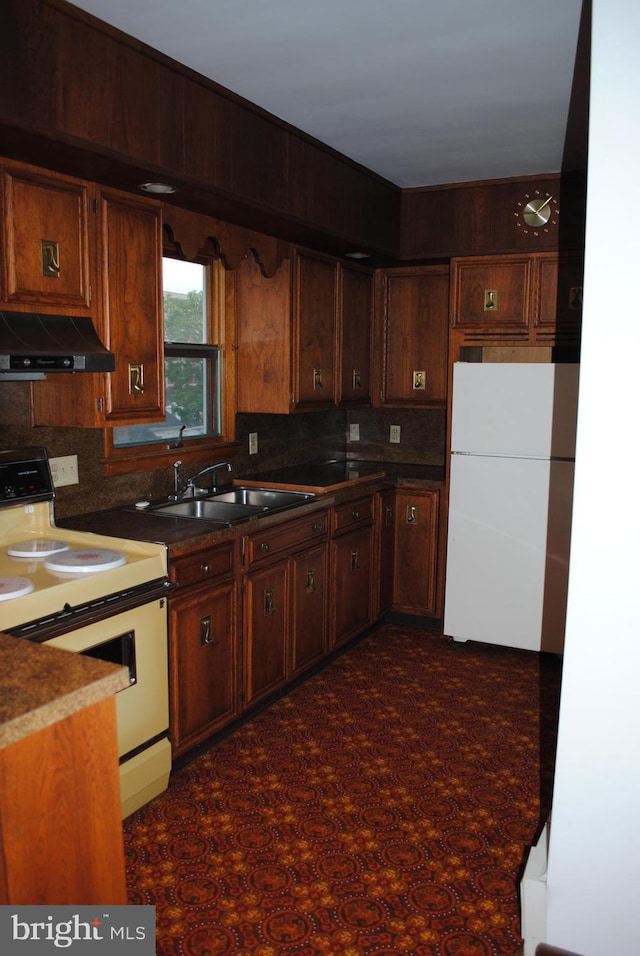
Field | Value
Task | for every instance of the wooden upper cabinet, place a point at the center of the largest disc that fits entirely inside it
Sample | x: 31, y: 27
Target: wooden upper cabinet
x: 315, y: 285
x: 355, y: 313
x: 303, y: 336
x: 491, y: 292
x: 128, y: 318
x: 46, y: 261
x: 558, y: 311
x: 532, y: 300
x: 131, y: 245
x: 412, y: 321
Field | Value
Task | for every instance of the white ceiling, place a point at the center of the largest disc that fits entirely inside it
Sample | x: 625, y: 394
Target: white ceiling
x: 420, y: 91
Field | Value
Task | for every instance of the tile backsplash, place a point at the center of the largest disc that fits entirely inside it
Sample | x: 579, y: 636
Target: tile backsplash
x: 282, y: 440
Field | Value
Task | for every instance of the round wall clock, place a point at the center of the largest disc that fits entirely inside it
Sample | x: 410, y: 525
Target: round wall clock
x: 537, y: 213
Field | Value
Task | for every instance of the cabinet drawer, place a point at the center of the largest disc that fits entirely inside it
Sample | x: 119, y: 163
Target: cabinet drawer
x: 351, y: 515
x: 285, y: 537
x: 205, y: 565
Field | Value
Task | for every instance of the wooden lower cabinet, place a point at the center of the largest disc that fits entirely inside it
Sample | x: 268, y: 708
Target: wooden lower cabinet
x: 203, y: 646
x: 60, y: 819
x: 285, y: 603
x: 266, y: 627
x: 308, y: 585
x: 351, y: 569
x: 384, y: 551
x: 415, y: 577
x: 309, y: 611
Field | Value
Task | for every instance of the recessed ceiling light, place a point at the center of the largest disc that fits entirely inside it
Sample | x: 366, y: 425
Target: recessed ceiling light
x: 158, y: 188
x: 358, y: 255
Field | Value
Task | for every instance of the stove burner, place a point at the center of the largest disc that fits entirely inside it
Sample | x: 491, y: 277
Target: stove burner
x: 36, y: 548
x: 84, y: 561
x: 14, y: 587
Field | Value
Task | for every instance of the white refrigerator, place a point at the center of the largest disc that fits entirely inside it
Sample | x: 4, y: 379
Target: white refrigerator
x: 513, y: 430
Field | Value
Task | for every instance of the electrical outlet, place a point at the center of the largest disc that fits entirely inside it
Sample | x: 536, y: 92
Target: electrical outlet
x: 64, y: 471
x: 394, y: 434
x: 354, y: 432
x: 253, y: 443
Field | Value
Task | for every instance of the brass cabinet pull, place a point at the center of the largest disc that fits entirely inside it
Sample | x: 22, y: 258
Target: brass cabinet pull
x: 205, y: 568
x: 50, y: 258
x: 265, y: 547
x: 355, y: 513
x: 311, y: 581
x: 575, y: 298
x: 420, y: 379
x: 355, y: 566
x: 412, y: 514
x: 317, y: 527
x: 490, y: 300
x: 136, y: 378
x: 206, y: 633
x: 356, y: 379
x: 388, y: 517
x: 317, y: 378
x: 269, y: 601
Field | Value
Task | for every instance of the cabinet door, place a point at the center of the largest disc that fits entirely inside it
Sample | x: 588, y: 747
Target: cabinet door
x: 46, y: 261
x: 314, y: 346
x: 354, y: 318
x: 132, y: 301
x: 263, y: 330
x: 308, y: 608
x: 415, y: 321
x: 491, y: 293
x: 415, y: 587
x: 558, y: 311
x: 266, y: 629
x: 351, y: 580
x: 385, y: 521
x: 203, y: 664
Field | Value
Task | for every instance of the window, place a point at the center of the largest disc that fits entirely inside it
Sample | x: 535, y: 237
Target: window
x: 193, y: 303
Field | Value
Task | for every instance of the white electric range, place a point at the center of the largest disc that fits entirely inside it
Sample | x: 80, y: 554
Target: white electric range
x: 91, y: 594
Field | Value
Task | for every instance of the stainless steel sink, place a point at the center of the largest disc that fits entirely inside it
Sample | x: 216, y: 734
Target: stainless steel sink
x: 232, y: 506
x: 208, y: 509
x: 266, y: 498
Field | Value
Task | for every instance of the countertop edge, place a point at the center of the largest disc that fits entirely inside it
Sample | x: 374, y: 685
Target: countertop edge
x: 41, y: 685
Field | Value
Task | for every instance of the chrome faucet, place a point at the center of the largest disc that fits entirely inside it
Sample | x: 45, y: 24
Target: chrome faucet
x: 193, y: 491
x: 179, y: 484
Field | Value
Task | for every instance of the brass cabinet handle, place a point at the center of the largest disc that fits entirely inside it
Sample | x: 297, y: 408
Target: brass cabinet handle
x: 136, y: 378
x: 388, y: 517
x: 269, y: 601
x: 311, y: 581
x: 50, y: 258
x: 317, y: 527
x: 205, y: 568
x: 356, y: 379
x: 490, y: 300
x: 317, y: 379
x: 265, y: 547
x: 206, y: 633
x: 355, y: 513
x: 355, y: 565
x: 412, y: 514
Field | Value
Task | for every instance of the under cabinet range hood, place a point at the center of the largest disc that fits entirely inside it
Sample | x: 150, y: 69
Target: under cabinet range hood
x: 32, y: 343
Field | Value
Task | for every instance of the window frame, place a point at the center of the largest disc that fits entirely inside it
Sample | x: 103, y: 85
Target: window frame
x: 220, y: 295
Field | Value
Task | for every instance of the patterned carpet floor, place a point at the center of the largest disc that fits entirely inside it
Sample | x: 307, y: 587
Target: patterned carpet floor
x: 383, y: 808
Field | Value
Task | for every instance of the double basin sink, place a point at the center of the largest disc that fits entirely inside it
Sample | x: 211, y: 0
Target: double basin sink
x: 232, y: 506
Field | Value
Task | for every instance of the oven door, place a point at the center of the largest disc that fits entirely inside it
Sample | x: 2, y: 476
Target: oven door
x: 136, y: 638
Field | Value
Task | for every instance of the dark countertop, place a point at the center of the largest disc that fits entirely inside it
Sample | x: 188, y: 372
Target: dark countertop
x: 338, y: 481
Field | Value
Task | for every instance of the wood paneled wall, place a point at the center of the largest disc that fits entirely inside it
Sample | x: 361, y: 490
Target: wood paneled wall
x: 84, y: 98
x: 480, y: 218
